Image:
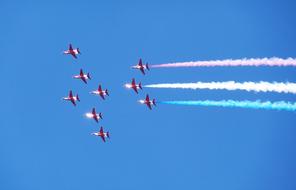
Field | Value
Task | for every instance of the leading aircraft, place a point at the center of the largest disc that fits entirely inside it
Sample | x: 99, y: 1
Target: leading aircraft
x: 134, y: 86
x: 148, y: 102
x: 100, y: 92
x: 141, y: 67
x: 72, y: 98
x: 102, y: 134
x: 72, y: 51
x: 83, y: 76
x: 94, y: 115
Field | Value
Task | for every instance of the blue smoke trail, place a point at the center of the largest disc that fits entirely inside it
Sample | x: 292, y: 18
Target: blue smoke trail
x: 287, y: 106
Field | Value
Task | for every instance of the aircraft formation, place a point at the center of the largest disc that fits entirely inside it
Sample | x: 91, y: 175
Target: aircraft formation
x: 133, y: 85
x: 85, y: 77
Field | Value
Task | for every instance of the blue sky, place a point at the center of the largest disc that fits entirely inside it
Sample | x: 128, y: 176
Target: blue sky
x: 45, y: 143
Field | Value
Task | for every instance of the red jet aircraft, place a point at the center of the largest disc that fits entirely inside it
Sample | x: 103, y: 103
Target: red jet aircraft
x: 134, y: 86
x: 141, y: 67
x: 72, y: 51
x: 83, y: 76
x: 72, y: 98
x: 148, y: 102
x: 100, y: 92
x: 94, y: 115
x: 102, y: 134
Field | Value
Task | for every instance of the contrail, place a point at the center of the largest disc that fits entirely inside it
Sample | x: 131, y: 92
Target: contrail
x: 232, y: 85
x: 274, y: 61
x: 287, y: 106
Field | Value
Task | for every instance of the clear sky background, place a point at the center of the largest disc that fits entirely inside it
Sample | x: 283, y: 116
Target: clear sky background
x: 45, y: 143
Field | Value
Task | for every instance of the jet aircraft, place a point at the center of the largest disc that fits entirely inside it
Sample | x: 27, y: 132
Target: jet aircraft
x: 100, y: 92
x: 102, y: 134
x: 141, y: 67
x: 134, y: 86
x: 72, y: 51
x: 72, y: 98
x: 82, y: 76
x: 148, y: 102
x: 94, y: 115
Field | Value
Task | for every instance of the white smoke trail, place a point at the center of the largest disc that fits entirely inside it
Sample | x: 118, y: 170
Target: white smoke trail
x: 232, y: 85
x: 274, y: 61
x: 287, y: 106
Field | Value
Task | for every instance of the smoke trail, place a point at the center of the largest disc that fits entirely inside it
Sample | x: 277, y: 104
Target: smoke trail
x: 287, y: 106
x: 274, y: 61
x: 232, y: 85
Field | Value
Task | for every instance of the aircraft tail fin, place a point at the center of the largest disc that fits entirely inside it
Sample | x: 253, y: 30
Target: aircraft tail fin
x: 77, y: 97
x: 100, y: 115
x: 107, y: 93
x: 154, y: 102
x: 140, y: 86
x: 88, y: 76
x: 108, y: 135
x: 78, y: 50
x: 147, y: 67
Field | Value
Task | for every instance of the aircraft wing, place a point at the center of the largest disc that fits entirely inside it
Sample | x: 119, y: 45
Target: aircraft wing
x: 73, y: 54
x: 73, y: 102
x: 135, y: 89
x: 142, y: 70
x: 70, y: 47
x: 70, y: 94
x: 140, y: 62
x: 102, y: 96
x: 100, y: 88
x: 84, y: 80
x: 103, y: 138
x: 149, y: 106
x: 101, y: 130
x: 96, y: 118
